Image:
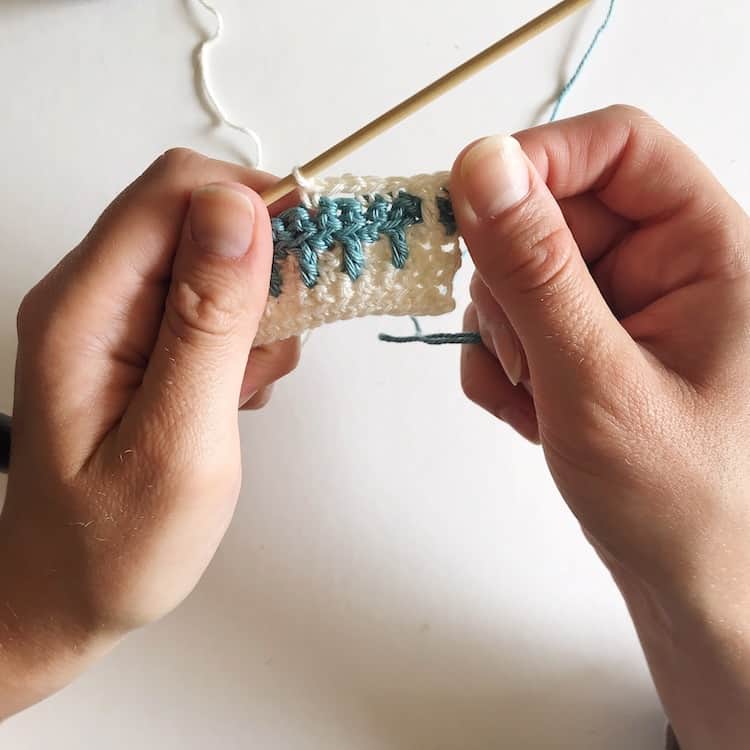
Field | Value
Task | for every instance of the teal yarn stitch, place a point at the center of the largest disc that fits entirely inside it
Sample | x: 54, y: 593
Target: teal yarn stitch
x: 445, y: 213
x: 392, y: 219
x: 347, y: 222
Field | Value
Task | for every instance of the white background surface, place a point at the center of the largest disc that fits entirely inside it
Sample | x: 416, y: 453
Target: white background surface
x: 400, y: 573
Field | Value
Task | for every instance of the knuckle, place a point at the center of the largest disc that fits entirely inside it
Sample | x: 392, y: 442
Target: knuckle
x: 290, y: 361
x: 478, y: 393
x: 34, y: 316
x: 202, y: 307
x: 174, y: 161
x: 259, y: 400
x: 470, y: 319
x: 469, y: 387
x: 472, y: 386
x: 628, y: 112
x: 727, y: 232
x: 544, y: 256
x: 271, y: 362
x: 477, y: 288
x: 26, y: 313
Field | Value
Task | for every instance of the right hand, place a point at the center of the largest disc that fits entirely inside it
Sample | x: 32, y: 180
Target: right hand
x: 612, y: 293
x: 134, y: 354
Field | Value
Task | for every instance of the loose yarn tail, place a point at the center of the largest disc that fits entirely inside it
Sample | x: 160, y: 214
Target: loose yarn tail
x: 208, y: 92
x: 565, y: 90
x: 436, y: 339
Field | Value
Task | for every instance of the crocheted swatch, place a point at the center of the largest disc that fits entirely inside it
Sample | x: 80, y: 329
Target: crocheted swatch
x: 362, y: 246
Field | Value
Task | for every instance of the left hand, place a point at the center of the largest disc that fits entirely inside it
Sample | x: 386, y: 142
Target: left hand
x: 134, y: 355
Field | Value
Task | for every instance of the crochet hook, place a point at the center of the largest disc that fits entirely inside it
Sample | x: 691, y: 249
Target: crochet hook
x: 428, y: 94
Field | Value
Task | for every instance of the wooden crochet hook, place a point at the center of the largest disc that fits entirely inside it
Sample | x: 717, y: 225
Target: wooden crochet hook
x: 428, y: 94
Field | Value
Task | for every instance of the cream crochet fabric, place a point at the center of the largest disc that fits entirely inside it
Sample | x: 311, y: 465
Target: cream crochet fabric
x: 423, y: 286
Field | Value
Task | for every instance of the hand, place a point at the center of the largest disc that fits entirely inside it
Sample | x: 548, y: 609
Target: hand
x: 612, y: 293
x: 125, y: 471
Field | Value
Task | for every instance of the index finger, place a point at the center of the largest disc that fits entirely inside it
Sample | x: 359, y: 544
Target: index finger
x: 633, y: 165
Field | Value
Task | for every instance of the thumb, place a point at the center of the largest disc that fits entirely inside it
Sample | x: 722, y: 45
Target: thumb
x: 217, y: 296
x: 528, y: 259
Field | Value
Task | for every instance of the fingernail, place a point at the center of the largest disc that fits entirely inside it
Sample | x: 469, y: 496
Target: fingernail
x: 495, y: 175
x: 222, y: 219
x: 508, y: 351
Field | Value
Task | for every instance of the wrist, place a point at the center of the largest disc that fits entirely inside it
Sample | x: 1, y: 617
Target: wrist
x: 698, y: 652
x: 46, y: 636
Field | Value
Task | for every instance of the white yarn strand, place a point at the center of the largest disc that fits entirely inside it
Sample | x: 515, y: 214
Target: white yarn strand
x: 203, y: 73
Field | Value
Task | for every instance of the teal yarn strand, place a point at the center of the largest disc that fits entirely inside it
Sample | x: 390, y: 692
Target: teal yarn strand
x: 472, y: 337
x: 565, y: 90
x: 436, y: 339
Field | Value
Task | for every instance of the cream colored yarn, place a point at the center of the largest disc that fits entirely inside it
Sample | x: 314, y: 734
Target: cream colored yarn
x: 424, y: 286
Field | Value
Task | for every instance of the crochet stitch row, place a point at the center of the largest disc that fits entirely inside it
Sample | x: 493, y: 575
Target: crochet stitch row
x: 361, y: 246
x: 352, y: 223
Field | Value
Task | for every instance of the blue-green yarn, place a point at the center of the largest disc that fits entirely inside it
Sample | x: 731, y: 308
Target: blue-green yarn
x: 436, y: 339
x: 392, y: 219
x: 351, y: 230
x: 565, y: 90
x: 445, y: 213
x: 346, y: 222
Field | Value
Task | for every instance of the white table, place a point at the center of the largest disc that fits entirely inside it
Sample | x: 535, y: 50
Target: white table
x: 401, y: 572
